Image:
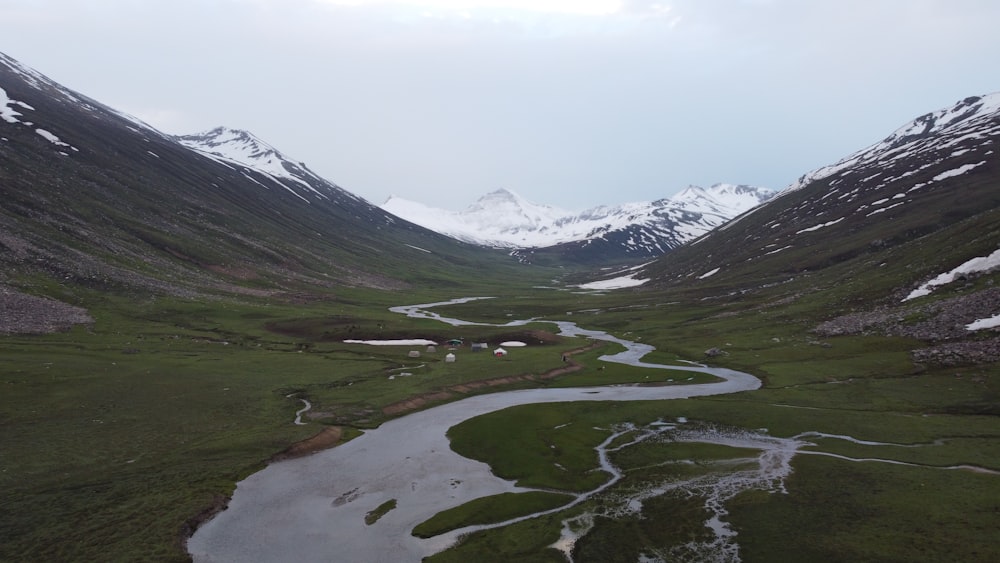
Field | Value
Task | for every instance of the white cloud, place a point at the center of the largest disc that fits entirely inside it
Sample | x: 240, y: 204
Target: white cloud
x: 573, y: 7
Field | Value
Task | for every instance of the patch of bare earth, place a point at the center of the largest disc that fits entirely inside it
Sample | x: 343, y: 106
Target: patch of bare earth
x: 324, y: 439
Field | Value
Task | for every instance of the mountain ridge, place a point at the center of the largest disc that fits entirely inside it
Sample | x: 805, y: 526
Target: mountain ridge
x: 240, y: 147
x: 504, y: 219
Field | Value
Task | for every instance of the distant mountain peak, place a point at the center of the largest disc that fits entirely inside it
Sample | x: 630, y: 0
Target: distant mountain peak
x: 503, y: 193
x: 504, y: 219
x: 510, y: 200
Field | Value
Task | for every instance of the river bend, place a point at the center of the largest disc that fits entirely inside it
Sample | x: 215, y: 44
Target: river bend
x: 313, y: 508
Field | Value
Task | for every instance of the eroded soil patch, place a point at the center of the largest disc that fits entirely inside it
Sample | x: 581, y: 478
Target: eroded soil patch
x: 325, y: 438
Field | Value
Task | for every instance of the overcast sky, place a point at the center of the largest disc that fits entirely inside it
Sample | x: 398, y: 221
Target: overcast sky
x: 569, y: 103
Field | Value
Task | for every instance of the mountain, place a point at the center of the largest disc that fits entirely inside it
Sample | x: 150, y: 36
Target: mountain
x: 242, y: 148
x: 500, y: 219
x: 503, y: 219
x: 97, y: 198
x: 865, y: 238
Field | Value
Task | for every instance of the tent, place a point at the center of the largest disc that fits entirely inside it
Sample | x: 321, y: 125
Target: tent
x: 450, y: 358
x: 499, y: 352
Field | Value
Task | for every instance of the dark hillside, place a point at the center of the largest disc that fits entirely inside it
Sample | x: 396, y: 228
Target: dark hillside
x: 92, y: 197
x: 919, y: 204
x: 859, y: 236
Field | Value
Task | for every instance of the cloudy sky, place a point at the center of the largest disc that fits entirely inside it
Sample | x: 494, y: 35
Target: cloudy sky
x: 571, y: 103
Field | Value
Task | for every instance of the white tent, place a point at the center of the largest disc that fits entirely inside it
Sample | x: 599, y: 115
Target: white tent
x: 450, y: 358
x: 499, y: 352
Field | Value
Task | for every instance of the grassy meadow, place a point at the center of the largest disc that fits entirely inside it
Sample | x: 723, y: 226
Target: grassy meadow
x: 917, y: 504
x: 117, y: 436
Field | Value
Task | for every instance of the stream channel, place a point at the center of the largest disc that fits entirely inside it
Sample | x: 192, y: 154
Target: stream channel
x: 313, y: 508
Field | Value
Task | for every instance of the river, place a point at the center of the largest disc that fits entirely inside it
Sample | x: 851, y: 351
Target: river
x: 314, y: 508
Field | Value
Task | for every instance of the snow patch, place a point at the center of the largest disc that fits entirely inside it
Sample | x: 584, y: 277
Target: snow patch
x: 614, y: 283
x: 778, y: 250
x: 979, y: 264
x: 992, y: 322
x: 709, y: 273
x: 818, y: 227
x: 957, y: 171
x: 53, y: 139
x: 7, y: 113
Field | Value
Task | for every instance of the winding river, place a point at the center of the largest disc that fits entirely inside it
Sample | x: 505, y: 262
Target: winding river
x: 314, y: 508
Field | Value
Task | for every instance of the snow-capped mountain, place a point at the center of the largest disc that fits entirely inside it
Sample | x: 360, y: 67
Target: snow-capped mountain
x: 968, y: 120
x: 916, y: 159
x: 235, y: 147
x: 506, y: 220
x: 501, y: 219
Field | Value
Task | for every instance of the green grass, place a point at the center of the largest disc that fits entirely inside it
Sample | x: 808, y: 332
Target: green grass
x: 865, y: 387
x: 115, y: 437
x: 946, y: 499
x: 151, y: 415
x: 524, y: 541
x: 544, y: 450
x: 490, y: 510
x: 871, y: 512
x: 380, y: 511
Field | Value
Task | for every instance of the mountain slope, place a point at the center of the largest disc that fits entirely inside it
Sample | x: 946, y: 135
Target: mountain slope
x: 94, y: 197
x: 858, y: 236
x: 504, y: 219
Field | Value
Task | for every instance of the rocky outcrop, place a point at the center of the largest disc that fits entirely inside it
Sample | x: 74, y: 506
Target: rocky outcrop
x: 21, y: 313
x: 942, y: 323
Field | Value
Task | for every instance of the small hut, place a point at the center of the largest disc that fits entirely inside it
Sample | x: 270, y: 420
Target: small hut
x: 449, y: 359
x: 414, y: 354
x: 479, y: 346
x: 431, y: 349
